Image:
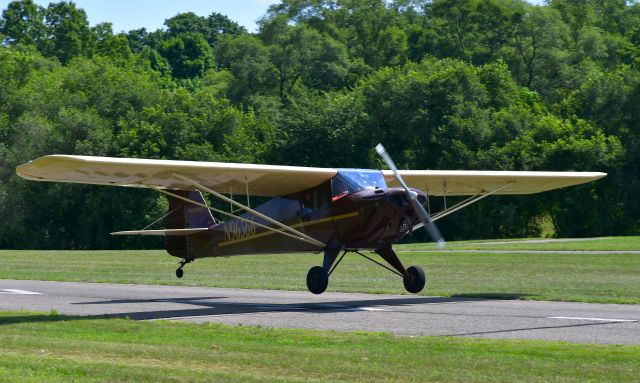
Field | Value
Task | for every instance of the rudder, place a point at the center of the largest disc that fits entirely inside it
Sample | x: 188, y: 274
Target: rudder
x: 184, y: 215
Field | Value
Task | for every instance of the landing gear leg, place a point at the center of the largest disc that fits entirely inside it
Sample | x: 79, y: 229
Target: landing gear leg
x: 412, y: 277
x: 179, y: 271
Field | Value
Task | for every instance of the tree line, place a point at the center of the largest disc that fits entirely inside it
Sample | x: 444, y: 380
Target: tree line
x: 466, y: 84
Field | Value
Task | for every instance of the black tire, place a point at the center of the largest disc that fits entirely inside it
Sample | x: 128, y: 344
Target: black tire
x: 317, y: 280
x: 415, y: 280
x: 179, y: 273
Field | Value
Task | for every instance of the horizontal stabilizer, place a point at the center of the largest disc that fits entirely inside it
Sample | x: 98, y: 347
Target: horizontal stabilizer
x: 178, y: 232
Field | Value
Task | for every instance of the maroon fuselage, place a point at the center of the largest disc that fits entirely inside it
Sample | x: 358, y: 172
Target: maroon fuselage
x: 366, y: 219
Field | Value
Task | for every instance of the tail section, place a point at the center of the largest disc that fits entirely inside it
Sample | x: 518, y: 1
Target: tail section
x: 185, y: 215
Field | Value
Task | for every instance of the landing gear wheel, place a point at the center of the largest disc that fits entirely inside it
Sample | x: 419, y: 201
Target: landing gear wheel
x: 179, y: 271
x: 415, y: 279
x: 317, y: 280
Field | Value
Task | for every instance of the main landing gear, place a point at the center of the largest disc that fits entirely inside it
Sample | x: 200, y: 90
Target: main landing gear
x: 318, y: 276
x: 415, y: 280
x: 413, y: 277
x: 317, y: 279
x: 179, y: 271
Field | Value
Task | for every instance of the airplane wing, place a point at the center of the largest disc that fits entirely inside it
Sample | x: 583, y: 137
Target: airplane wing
x: 475, y: 182
x: 274, y: 180
x: 228, y: 178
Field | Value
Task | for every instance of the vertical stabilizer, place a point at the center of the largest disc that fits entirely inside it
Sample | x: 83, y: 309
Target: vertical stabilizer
x: 185, y: 215
x: 197, y: 216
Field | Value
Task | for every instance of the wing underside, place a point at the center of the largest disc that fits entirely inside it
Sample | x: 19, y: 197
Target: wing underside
x: 472, y: 182
x: 228, y: 178
x: 274, y: 180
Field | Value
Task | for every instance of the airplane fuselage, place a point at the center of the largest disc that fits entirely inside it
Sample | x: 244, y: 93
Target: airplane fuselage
x: 337, y: 215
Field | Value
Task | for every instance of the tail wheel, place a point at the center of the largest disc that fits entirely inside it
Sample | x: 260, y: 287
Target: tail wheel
x: 179, y: 271
x: 317, y: 280
x: 415, y: 279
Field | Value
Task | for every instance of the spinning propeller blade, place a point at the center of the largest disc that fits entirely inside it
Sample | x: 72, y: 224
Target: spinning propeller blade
x: 413, y: 199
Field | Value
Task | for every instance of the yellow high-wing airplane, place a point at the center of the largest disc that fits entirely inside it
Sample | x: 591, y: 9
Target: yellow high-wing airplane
x: 312, y: 209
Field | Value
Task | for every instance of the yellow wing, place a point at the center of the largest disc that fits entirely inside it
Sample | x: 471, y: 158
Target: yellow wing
x: 260, y: 180
x: 273, y: 180
x: 473, y: 182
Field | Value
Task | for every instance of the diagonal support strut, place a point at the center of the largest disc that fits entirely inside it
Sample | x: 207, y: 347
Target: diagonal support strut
x: 314, y: 242
x: 250, y: 210
x: 469, y: 201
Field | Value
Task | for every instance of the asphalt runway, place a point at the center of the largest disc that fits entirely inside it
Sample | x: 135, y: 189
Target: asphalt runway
x: 398, y: 314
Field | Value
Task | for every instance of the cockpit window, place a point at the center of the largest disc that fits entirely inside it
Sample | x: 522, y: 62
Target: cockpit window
x: 349, y: 181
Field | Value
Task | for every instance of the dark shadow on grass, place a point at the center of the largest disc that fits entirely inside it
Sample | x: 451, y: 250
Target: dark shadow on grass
x: 497, y: 296
x: 43, y: 318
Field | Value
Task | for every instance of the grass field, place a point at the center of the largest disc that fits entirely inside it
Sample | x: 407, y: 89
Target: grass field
x: 53, y: 348
x: 612, y: 278
x: 592, y: 244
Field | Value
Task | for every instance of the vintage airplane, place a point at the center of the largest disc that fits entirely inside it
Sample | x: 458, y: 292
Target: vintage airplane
x: 313, y: 209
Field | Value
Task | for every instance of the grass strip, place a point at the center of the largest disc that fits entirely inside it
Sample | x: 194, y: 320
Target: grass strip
x: 606, y: 278
x: 53, y: 348
x: 584, y: 244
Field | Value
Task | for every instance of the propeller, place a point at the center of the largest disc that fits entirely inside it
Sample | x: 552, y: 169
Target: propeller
x: 412, y: 196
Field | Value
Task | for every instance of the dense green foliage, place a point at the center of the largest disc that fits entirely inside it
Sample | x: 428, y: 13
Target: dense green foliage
x: 468, y: 84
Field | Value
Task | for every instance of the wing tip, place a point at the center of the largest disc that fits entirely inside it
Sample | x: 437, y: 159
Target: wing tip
x: 599, y: 175
x: 23, y: 171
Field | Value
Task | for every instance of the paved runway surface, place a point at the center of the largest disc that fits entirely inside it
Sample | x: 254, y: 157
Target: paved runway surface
x: 398, y: 314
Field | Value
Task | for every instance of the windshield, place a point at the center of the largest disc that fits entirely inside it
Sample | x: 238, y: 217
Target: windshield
x: 349, y: 181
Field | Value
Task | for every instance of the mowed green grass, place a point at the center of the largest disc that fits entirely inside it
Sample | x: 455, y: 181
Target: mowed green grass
x: 611, y: 278
x: 591, y: 244
x: 53, y: 348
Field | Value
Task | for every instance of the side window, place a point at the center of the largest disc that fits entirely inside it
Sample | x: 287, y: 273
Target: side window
x: 322, y: 198
x: 315, y: 203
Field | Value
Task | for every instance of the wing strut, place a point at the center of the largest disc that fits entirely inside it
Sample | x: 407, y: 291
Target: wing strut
x: 463, y: 204
x: 250, y: 210
x: 312, y: 241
